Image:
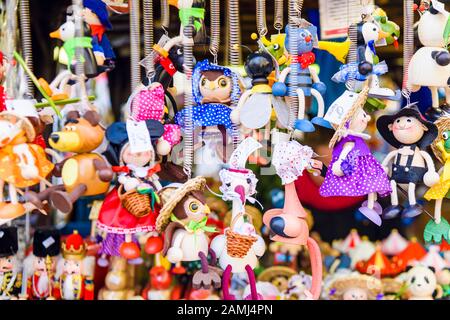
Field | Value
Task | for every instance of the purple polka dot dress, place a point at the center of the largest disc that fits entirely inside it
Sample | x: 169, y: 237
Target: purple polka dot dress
x: 363, y: 174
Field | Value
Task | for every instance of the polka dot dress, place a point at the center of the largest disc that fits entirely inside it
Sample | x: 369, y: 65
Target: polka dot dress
x: 367, y: 176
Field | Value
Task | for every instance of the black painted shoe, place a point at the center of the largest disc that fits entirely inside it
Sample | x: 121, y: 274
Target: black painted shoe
x: 432, y: 114
x: 391, y: 212
x: 412, y: 211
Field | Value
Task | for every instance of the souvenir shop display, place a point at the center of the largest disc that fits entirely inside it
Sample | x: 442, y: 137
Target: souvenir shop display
x: 161, y: 161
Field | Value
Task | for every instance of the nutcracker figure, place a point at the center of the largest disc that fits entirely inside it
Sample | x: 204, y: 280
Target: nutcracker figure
x: 73, y: 283
x: 10, y: 278
x: 41, y: 265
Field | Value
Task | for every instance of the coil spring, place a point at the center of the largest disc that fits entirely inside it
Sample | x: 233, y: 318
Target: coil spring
x: 215, y: 29
x: 188, y: 57
x: 352, y: 56
x: 165, y: 15
x: 408, y: 43
x: 234, y: 34
x: 261, y: 17
x: 26, y: 40
x: 294, y: 13
x: 134, y: 44
x: 10, y: 45
x: 148, y: 36
x: 278, y: 18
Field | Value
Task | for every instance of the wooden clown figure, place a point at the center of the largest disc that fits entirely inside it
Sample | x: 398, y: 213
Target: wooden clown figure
x: 288, y: 225
x: 10, y: 278
x: 73, y: 284
x: 182, y: 219
x: 410, y: 133
x: 40, y: 267
x: 240, y: 247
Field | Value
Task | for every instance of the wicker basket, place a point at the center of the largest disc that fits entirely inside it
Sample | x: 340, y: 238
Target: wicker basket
x: 238, y: 245
x: 137, y: 204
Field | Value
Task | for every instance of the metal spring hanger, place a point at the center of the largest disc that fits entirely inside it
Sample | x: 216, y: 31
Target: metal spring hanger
x: 261, y: 24
x: 10, y: 46
x: 188, y: 66
x: 294, y: 14
x: 215, y: 29
x: 134, y: 45
x: 234, y: 53
x: 408, y: 44
x: 148, y: 37
x: 278, y: 22
x: 165, y: 16
x: 25, y: 33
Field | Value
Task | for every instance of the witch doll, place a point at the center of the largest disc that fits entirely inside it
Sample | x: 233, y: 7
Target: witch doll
x: 132, y: 206
x: 354, y: 170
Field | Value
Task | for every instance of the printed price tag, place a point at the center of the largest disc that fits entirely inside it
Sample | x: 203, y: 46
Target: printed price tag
x: 138, y: 136
x: 337, y: 111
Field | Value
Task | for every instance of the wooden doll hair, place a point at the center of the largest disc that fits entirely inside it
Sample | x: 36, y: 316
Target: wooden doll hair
x: 357, y: 105
x: 443, y: 124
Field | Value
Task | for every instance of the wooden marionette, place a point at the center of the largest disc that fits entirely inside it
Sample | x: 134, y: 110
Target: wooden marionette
x: 214, y: 89
x: 439, y: 228
x: 40, y: 267
x: 74, y: 283
x: 240, y: 247
x: 255, y: 106
x: 410, y: 134
x: 354, y: 170
x: 183, y: 219
x: 84, y: 173
x: 11, y: 278
x: 95, y: 14
x: 302, y: 75
x: 133, y: 206
x: 289, y: 225
x: 430, y: 65
x: 23, y: 162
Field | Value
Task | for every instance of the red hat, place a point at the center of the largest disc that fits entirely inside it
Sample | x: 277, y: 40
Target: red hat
x: 378, y: 263
x: 413, y: 252
x: 74, y: 247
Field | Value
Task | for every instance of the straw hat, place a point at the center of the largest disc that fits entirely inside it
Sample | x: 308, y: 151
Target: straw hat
x: 27, y: 126
x: 391, y: 286
x: 171, y: 195
x: 372, y: 285
x: 277, y: 275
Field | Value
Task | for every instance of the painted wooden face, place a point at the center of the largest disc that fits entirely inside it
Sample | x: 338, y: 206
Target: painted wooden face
x: 6, y: 264
x: 215, y: 87
x: 360, y: 121
x: 139, y: 159
x: 71, y: 266
x: 9, y: 131
x: 192, y: 208
x: 407, y: 130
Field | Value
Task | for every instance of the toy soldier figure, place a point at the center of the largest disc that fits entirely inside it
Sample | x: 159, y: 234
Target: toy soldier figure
x: 46, y: 249
x: 10, y: 278
x: 74, y: 285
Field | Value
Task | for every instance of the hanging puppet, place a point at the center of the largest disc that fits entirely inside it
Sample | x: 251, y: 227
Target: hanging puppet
x: 354, y: 170
x: 95, y: 14
x: 255, y: 107
x: 430, y: 64
x: 302, y: 76
x: 410, y: 134
x: 183, y: 219
x: 131, y: 207
x: 214, y: 89
x: 23, y: 163
x: 240, y: 247
x: 288, y: 225
x: 439, y: 227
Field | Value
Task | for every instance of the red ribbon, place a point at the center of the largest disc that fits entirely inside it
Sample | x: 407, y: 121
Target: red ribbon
x: 156, y: 168
x: 123, y: 169
x: 305, y: 59
x: 97, y: 30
